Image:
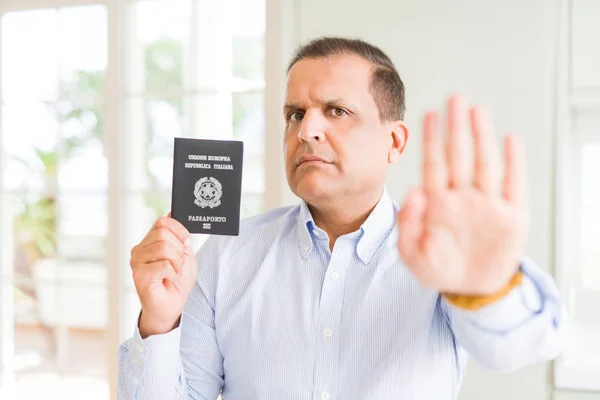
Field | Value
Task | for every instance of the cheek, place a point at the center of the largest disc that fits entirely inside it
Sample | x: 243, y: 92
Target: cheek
x: 362, y: 152
x: 289, y: 148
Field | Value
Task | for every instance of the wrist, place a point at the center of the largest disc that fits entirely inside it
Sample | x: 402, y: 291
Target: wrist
x: 149, y: 326
x: 475, y: 302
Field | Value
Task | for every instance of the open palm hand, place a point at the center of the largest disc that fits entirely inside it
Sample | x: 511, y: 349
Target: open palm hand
x: 464, y: 231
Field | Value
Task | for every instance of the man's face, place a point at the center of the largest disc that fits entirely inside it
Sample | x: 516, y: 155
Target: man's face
x: 335, y: 142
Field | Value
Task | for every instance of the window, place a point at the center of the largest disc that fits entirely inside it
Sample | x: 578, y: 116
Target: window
x: 579, y: 198
x: 92, y: 96
x: 52, y: 75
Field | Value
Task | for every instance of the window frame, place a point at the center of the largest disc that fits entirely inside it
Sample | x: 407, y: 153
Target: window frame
x: 569, y: 144
x: 119, y: 32
x: 7, y: 349
x: 568, y: 233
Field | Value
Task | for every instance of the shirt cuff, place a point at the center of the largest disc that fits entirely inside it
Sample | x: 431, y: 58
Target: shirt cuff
x: 521, y: 304
x: 157, y: 355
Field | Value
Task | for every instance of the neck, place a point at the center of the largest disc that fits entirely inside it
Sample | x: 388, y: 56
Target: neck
x: 338, y: 218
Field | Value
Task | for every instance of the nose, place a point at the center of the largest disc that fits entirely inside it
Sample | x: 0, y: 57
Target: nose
x: 312, y: 128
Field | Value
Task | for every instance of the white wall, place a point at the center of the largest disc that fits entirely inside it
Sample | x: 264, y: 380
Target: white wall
x: 500, y: 53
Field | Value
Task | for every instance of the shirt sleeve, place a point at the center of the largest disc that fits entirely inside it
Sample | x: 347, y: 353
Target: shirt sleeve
x: 528, y: 325
x: 185, y: 363
x: 150, y: 368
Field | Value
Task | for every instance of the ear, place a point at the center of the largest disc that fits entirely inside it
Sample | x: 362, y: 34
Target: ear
x: 399, y: 137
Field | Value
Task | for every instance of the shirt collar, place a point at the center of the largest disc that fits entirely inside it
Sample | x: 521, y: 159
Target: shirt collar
x: 304, y: 226
x: 373, y: 231
x: 377, y: 227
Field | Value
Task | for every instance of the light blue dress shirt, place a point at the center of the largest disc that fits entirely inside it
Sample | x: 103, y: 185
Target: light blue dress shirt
x: 275, y: 314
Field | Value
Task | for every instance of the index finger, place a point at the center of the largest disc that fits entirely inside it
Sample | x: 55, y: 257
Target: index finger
x: 174, y: 226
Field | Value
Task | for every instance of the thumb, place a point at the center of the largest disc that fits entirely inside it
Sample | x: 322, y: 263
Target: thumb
x: 410, y: 226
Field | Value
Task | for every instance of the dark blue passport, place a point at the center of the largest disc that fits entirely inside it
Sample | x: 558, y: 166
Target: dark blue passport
x: 207, y: 185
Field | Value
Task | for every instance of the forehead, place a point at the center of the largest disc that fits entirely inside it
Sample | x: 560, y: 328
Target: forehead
x: 345, y: 76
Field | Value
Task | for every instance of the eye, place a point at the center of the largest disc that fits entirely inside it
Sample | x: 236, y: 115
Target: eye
x: 338, y: 112
x: 295, y: 116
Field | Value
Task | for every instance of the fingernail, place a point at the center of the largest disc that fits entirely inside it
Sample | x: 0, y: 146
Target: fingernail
x: 188, y: 241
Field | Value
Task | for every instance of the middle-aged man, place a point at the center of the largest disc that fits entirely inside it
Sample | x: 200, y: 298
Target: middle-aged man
x: 347, y: 296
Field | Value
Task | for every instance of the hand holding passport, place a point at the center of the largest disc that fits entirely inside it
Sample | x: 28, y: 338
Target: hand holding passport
x: 207, y: 185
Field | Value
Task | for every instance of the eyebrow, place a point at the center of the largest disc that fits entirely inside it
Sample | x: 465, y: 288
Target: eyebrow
x: 291, y: 106
x: 339, y: 102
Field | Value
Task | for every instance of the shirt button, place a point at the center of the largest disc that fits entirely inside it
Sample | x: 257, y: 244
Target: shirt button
x: 324, y: 396
x: 328, y: 332
x: 137, y: 361
x: 334, y: 276
x: 140, y: 348
x: 316, y: 233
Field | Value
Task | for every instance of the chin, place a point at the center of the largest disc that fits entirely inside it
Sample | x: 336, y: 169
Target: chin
x: 312, y: 187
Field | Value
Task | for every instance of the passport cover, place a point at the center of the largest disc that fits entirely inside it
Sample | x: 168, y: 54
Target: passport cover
x: 207, y: 185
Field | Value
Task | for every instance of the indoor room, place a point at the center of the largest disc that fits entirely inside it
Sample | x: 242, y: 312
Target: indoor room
x: 93, y: 94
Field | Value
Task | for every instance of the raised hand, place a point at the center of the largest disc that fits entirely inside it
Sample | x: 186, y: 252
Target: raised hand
x: 164, y: 272
x: 464, y: 231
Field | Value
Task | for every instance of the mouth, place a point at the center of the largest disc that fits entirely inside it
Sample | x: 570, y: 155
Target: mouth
x: 311, y: 160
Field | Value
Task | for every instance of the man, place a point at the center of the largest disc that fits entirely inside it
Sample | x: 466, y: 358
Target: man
x: 347, y: 296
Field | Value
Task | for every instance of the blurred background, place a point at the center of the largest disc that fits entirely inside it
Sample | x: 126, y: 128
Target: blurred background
x: 92, y: 93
